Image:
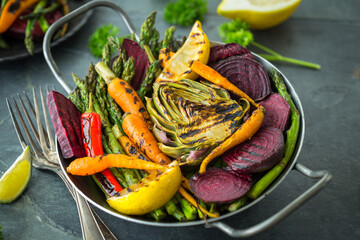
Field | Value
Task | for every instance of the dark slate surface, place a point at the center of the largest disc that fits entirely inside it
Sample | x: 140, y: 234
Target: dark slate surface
x: 323, y: 31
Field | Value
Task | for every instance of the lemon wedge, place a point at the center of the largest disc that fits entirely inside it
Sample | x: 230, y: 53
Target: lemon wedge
x: 259, y: 14
x: 149, y: 194
x: 195, y: 48
x: 16, y: 178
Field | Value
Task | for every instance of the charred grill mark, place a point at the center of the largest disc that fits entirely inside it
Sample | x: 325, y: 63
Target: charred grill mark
x: 195, y: 35
x: 252, y: 153
x: 127, y: 144
x: 129, y: 190
x: 15, y: 6
x: 257, y: 146
x: 101, y: 158
x: 141, y: 110
x: 188, y: 71
x: 136, y: 99
x: 190, y: 133
x: 129, y: 90
x: 199, y: 43
x: 141, y: 143
x: 132, y: 150
x: 200, y: 52
x: 122, y: 83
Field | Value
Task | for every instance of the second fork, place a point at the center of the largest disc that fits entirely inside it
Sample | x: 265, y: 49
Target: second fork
x: 46, y: 159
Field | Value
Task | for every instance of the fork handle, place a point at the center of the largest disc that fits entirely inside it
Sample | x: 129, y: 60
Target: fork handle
x: 92, y: 226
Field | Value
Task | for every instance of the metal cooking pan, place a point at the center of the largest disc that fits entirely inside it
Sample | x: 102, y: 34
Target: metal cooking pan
x: 90, y: 191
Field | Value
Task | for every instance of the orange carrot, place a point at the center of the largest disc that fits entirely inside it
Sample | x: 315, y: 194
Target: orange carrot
x: 185, y: 183
x: 165, y: 54
x: 11, y: 11
x: 123, y: 94
x: 135, y: 128
x: 243, y: 133
x: 91, y: 165
x: 192, y: 200
x: 213, y: 76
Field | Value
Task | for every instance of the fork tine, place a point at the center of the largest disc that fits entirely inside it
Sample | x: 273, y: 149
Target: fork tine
x: 33, y: 111
x: 28, y: 117
x: 32, y: 143
x: 16, y: 126
x: 39, y: 125
x: 47, y: 123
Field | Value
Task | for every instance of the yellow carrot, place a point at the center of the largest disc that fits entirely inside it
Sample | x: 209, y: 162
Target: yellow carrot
x: 243, y: 133
x: 91, y: 165
x: 213, y: 76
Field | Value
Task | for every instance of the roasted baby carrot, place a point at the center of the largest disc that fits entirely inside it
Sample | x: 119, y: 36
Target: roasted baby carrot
x: 11, y: 11
x: 213, y: 76
x: 136, y: 129
x: 124, y: 94
x: 243, y: 133
x: 91, y: 165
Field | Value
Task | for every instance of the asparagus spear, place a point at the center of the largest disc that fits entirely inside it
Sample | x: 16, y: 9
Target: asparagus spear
x: 117, y: 66
x: 169, y: 38
x: 106, y: 54
x: 147, y: 29
x: 151, y: 75
x: 237, y: 204
x: 82, y: 85
x: 291, y: 138
x: 189, y: 210
x: 75, y: 97
x: 129, y: 70
x: 30, y: 27
x: 41, y: 12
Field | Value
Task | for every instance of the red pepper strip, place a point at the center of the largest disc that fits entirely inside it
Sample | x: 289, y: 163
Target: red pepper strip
x: 91, y: 130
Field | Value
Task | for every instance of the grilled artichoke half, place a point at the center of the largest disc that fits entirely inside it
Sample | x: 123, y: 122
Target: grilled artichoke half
x: 191, y: 118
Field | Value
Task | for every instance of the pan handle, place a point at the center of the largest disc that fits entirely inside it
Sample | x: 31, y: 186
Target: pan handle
x: 75, y: 13
x: 324, y: 177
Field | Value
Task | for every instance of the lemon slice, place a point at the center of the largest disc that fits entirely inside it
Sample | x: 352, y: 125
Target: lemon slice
x: 196, y: 47
x: 16, y: 178
x: 259, y: 14
x: 149, y: 194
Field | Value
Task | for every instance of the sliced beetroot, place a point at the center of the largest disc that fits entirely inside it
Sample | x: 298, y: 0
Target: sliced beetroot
x: 17, y: 29
x: 133, y: 49
x: 277, y: 111
x: 217, y: 185
x: 220, y: 52
x: 247, y: 74
x: 260, y: 153
x: 66, y: 119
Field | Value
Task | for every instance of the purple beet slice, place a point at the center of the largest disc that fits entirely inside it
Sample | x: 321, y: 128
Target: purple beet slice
x: 277, y: 111
x: 134, y: 50
x: 247, y: 74
x: 260, y: 153
x: 217, y: 185
x: 220, y: 52
x: 66, y: 119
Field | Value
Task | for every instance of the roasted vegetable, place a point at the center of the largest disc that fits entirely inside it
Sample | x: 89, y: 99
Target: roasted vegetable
x: 246, y: 74
x: 277, y: 111
x: 66, y: 121
x: 219, y: 186
x: 134, y: 50
x: 191, y: 118
x: 11, y: 11
x: 220, y: 52
x: 260, y: 153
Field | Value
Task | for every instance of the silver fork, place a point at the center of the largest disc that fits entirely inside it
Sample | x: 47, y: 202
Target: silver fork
x: 46, y: 159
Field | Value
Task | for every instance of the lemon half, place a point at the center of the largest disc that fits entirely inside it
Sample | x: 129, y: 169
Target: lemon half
x: 195, y: 48
x: 259, y: 14
x: 149, y: 194
x: 16, y: 178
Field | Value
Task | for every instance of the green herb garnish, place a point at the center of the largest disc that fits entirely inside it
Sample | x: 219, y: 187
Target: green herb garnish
x: 99, y: 38
x: 185, y: 12
x: 239, y: 32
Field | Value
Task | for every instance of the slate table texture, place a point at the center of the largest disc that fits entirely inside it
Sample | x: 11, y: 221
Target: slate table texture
x: 322, y: 31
